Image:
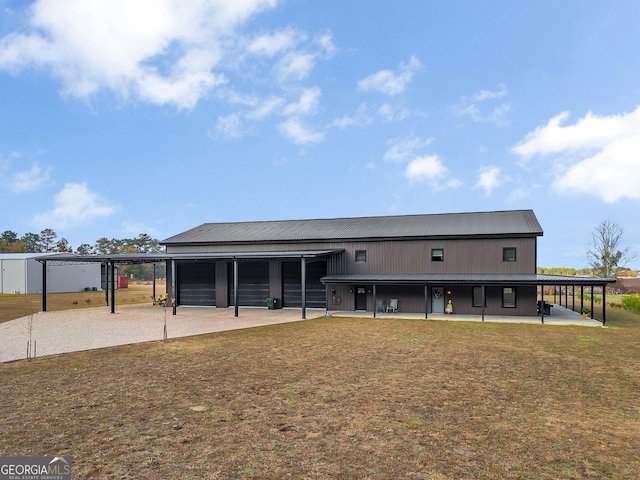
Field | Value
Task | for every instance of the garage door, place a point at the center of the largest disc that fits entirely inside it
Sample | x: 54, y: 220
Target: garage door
x: 253, y: 284
x: 196, y: 283
x: 292, y: 284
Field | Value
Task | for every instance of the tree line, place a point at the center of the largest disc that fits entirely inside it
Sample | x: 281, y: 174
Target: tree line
x: 47, y: 242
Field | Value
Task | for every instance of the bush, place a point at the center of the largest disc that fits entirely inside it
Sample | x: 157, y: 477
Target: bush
x: 631, y: 303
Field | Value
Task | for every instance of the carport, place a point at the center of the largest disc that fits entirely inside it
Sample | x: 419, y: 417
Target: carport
x: 111, y: 260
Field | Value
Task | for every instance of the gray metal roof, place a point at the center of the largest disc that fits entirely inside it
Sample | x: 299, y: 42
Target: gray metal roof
x: 500, y: 223
x: 132, y: 258
x: 465, y: 278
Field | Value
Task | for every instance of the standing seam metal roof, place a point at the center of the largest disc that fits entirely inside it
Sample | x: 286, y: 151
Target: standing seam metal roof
x: 509, y: 222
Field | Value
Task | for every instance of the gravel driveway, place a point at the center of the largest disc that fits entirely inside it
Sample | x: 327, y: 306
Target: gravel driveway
x: 89, y: 328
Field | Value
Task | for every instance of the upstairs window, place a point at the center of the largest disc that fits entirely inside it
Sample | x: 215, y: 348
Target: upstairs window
x: 361, y: 256
x: 437, y: 254
x: 509, y: 254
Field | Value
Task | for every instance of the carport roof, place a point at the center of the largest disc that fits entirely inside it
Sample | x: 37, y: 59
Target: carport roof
x: 465, y: 278
x: 129, y: 258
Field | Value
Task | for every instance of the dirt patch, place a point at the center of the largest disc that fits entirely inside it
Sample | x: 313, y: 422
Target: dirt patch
x: 339, y: 398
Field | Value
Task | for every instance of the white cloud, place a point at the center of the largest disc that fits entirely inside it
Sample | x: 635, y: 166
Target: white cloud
x: 489, y: 178
x: 229, y: 127
x: 271, y: 44
x: 307, y: 103
x: 403, y: 149
x: 299, y: 133
x: 425, y: 169
x: 295, y: 66
x: 265, y: 108
x: 161, y: 51
x: 360, y: 119
x: 74, y: 205
x: 598, y: 155
x: 29, y: 180
x: 390, y: 82
x: 473, y: 107
x: 391, y: 114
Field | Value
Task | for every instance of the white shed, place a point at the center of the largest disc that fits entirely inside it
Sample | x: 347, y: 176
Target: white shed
x: 22, y: 273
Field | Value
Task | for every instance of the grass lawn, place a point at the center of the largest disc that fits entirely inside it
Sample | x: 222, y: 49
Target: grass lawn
x: 340, y: 398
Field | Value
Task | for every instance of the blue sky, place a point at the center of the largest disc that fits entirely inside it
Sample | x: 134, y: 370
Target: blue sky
x: 119, y: 118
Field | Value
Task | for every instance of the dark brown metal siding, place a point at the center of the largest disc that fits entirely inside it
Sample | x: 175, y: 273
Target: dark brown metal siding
x: 222, y: 284
x: 410, y: 256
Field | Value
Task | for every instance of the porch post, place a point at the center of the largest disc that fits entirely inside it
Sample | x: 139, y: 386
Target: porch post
x: 235, y: 287
x: 154, y: 283
x: 604, y: 304
x: 44, y: 286
x: 303, y: 274
x: 573, y: 297
x: 482, y: 300
x: 426, y: 301
x: 375, y: 303
x: 113, y: 287
x: 542, y: 305
x: 591, y: 301
x: 581, y: 298
x: 566, y: 296
x: 174, y: 293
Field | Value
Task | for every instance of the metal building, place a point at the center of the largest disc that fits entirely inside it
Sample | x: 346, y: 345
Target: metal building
x: 22, y: 273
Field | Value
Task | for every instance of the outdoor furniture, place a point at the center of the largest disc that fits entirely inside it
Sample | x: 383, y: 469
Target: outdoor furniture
x: 393, y: 306
x: 380, y: 306
x: 547, y: 308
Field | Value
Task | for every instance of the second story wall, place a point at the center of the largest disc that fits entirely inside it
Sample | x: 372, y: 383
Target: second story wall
x: 469, y: 255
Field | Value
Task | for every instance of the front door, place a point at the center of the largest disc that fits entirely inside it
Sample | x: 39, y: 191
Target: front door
x: 361, y: 298
x: 437, y: 300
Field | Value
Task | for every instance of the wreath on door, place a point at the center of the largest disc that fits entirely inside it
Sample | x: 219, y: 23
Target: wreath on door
x: 437, y: 294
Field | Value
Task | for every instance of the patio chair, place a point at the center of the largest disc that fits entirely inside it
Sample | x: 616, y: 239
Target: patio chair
x: 393, y: 306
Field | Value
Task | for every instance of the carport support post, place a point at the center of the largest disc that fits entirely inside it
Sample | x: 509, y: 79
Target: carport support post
x: 106, y: 283
x: 44, y: 286
x: 303, y: 274
x: 113, y: 287
x: 174, y: 295
x: 235, y: 287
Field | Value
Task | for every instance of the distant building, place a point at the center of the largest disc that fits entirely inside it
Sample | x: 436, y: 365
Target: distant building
x: 22, y: 273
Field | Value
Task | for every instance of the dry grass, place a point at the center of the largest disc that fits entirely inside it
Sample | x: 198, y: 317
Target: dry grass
x: 340, y: 398
x: 21, y: 305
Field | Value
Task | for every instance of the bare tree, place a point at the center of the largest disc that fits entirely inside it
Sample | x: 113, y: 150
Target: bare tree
x: 605, y: 254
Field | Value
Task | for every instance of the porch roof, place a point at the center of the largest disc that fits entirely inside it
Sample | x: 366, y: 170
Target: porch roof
x: 464, y: 278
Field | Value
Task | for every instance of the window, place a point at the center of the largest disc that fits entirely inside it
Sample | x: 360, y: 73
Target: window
x: 361, y: 256
x: 476, y: 295
x: 437, y: 254
x: 509, y: 297
x: 509, y: 254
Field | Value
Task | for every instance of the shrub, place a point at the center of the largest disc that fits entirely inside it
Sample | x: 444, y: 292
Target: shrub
x: 631, y: 303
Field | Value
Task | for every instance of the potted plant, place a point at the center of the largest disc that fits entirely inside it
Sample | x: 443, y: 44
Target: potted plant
x: 585, y: 312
